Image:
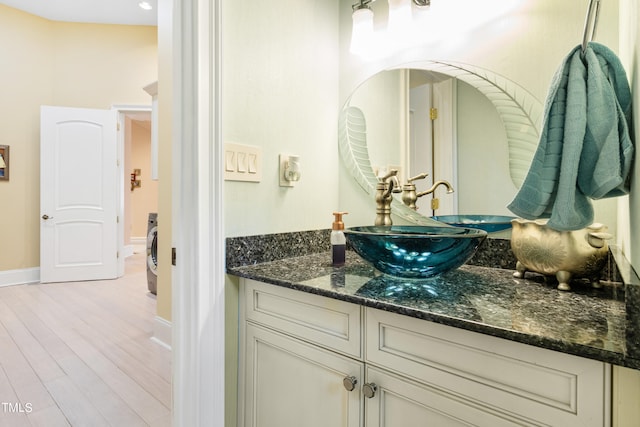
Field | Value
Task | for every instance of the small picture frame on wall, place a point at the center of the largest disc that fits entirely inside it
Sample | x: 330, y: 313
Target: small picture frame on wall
x: 4, y: 162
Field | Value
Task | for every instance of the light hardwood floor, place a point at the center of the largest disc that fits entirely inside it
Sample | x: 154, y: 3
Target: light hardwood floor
x: 80, y: 354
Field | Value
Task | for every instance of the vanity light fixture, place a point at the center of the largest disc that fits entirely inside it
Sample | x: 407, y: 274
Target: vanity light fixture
x: 362, y: 32
x: 398, y: 26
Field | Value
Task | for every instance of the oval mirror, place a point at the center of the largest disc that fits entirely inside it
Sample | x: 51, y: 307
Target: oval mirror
x: 456, y: 122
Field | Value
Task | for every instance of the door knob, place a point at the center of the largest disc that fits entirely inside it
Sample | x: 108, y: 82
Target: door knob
x: 349, y: 383
x: 46, y: 217
x: 369, y: 390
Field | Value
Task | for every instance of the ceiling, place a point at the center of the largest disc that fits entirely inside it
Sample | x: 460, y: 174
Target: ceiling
x: 126, y: 12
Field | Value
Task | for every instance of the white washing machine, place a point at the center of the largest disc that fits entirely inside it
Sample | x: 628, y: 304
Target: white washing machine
x: 152, y: 253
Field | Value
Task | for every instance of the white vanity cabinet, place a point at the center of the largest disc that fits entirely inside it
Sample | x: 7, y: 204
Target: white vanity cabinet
x: 299, y: 350
x: 292, y: 383
x: 300, y: 353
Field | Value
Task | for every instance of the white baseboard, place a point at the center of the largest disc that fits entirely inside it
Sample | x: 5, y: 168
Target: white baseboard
x: 136, y: 245
x: 138, y: 241
x: 127, y: 250
x: 162, y: 332
x: 19, y: 277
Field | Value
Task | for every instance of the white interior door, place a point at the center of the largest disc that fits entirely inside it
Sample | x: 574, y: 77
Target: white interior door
x: 78, y: 194
x: 421, y: 149
x: 433, y: 144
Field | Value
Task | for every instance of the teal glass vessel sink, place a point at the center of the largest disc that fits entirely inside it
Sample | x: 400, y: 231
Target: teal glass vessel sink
x: 488, y: 223
x: 415, y: 251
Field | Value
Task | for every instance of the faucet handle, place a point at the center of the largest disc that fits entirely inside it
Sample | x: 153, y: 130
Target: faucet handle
x: 395, y: 184
x: 421, y: 176
x: 391, y: 173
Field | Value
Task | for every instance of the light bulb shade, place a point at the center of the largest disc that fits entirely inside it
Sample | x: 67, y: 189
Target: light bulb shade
x: 362, y: 31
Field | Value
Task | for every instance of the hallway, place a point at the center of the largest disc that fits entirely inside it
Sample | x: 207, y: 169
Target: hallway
x: 80, y: 354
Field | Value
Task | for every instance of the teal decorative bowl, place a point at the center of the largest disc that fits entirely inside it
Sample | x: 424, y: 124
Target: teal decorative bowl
x: 488, y: 223
x: 415, y: 251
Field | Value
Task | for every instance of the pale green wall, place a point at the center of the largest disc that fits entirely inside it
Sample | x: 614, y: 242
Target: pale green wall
x: 280, y: 92
x: 629, y: 212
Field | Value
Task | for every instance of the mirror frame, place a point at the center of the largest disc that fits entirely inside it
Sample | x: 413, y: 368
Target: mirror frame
x: 520, y: 112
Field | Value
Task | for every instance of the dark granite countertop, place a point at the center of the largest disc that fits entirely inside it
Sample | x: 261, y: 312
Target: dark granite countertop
x: 600, y: 324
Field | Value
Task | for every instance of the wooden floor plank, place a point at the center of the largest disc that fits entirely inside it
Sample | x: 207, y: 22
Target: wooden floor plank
x: 39, y: 359
x: 8, y: 416
x: 81, y: 354
x: 108, y: 403
x: 26, y: 384
x: 77, y: 408
x: 49, y: 417
x: 103, y: 398
x: 57, y: 316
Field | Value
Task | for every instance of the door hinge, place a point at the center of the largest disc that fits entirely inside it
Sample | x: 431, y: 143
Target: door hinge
x: 433, y: 113
x: 118, y: 126
x: 118, y: 254
x: 173, y: 256
x: 435, y: 204
x: 117, y: 219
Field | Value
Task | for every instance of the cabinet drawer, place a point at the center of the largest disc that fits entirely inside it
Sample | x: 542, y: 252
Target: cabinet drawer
x: 535, y: 385
x: 324, y: 321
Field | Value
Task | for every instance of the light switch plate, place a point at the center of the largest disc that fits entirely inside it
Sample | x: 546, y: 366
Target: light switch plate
x: 242, y: 162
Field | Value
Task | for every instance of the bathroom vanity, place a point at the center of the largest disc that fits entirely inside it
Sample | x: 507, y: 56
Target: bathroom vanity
x: 325, y: 346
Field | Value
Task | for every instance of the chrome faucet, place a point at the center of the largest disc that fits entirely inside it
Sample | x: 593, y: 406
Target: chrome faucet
x: 387, y: 185
x: 410, y: 196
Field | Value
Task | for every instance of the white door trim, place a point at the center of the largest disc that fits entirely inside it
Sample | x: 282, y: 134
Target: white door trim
x: 198, y: 234
x: 446, y: 143
x: 122, y: 110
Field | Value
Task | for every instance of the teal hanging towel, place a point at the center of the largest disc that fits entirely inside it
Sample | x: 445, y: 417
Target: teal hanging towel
x: 586, y: 149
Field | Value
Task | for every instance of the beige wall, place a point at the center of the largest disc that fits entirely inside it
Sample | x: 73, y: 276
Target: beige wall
x: 23, y: 57
x: 144, y: 199
x: 51, y: 63
x: 165, y: 138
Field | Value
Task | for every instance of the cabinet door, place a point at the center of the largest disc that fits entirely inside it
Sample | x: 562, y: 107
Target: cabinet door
x: 401, y: 402
x: 290, y: 383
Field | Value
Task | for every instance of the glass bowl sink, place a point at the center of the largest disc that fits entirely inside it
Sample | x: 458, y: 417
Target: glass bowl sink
x: 415, y: 251
x: 488, y: 223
